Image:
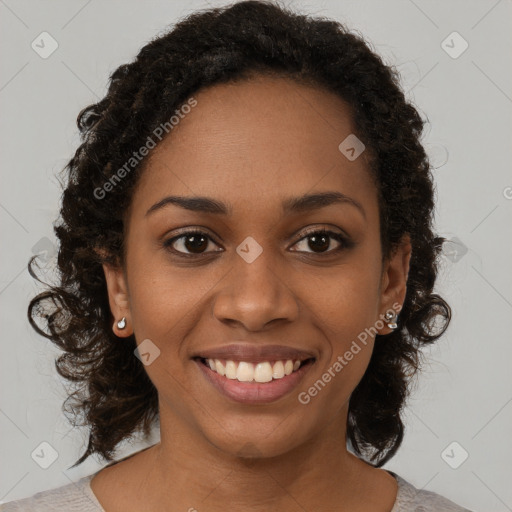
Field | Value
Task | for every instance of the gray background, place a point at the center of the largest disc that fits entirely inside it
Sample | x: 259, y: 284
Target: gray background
x: 464, y: 394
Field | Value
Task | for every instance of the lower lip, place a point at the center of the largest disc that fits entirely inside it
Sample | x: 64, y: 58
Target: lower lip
x: 255, y: 392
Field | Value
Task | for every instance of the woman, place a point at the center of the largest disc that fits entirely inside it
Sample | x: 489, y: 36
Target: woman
x: 247, y: 259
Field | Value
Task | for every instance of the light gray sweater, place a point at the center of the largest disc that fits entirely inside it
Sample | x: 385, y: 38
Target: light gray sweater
x: 78, y: 497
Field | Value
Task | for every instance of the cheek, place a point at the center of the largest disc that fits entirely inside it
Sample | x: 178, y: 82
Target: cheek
x: 164, y: 308
x: 344, y: 308
x: 344, y: 312
x: 159, y: 299
x: 344, y: 302
x: 332, y: 388
x: 163, y: 311
x: 161, y: 294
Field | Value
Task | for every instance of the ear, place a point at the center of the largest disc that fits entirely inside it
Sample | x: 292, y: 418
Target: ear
x: 394, y: 279
x: 118, y: 299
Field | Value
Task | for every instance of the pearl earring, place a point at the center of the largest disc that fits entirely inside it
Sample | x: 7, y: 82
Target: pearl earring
x: 122, y: 323
x: 391, y: 320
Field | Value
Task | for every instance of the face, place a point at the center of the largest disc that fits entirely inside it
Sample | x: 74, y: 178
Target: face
x: 255, y: 273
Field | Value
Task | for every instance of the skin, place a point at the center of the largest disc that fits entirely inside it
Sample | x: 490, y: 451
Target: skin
x: 251, y: 145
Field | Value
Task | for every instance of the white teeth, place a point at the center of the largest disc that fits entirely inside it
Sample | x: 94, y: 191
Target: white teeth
x: 278, y: 370
x: 263, y: 372
x: 219, y: 367
x: 231, y: 370
x: 245, y: 372
x: 249, y: 372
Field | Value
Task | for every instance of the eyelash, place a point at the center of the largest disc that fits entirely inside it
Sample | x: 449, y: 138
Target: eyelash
x: 345, y: 242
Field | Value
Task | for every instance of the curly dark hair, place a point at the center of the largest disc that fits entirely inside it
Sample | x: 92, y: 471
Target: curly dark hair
x: 112, y: 394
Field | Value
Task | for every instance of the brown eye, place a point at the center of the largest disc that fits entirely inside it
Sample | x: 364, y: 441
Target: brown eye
x: 189, y: 243
x: 320, y: 241
x: 195, y: 243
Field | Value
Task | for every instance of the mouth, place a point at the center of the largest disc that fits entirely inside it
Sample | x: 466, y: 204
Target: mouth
x: 261, y: 372
x: 256, y: 381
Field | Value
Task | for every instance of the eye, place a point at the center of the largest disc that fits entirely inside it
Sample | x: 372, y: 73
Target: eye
x: 320, y: 241
x: 194, y: 241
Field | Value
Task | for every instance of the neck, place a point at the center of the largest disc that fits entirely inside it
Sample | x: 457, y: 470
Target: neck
x: 195, y: 474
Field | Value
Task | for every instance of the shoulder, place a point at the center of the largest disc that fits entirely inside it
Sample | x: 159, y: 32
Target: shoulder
x: 411, y: 499
x: 76, y: 496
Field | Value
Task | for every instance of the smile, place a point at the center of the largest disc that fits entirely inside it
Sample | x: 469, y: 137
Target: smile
x: 254, y: 382
x: 244, y: 371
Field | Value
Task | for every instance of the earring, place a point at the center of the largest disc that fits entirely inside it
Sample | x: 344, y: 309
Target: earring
x: 122, y: 323
x: 391, y: 320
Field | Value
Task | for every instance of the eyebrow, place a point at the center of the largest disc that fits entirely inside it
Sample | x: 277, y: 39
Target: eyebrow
x: 301, y: 204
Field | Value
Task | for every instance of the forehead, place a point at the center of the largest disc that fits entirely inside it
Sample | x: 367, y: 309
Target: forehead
x: 257, y: 139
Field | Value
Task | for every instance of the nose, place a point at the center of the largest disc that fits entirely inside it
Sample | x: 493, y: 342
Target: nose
x: 255, y: 294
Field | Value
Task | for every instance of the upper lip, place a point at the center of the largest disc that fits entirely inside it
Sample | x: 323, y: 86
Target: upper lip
x: 255, y: 353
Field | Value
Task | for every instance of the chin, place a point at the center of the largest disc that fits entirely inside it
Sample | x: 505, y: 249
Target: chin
x: 248, y: 440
